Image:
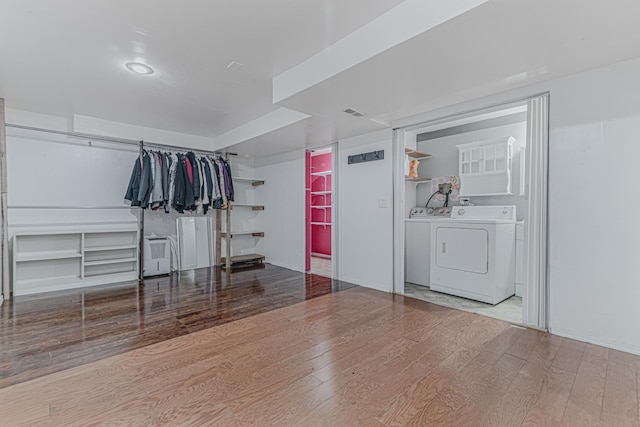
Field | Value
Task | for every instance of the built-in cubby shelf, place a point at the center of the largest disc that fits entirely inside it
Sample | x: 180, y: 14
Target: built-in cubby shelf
x: 44, y: 255
x: 58, y: 260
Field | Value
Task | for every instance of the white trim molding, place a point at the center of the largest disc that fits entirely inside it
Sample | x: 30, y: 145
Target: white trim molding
x: 398, y: 210
x: 536, y: 296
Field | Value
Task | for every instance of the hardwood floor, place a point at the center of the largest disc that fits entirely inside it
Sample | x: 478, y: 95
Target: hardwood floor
x: 46, y: 333
x: 355, y: 357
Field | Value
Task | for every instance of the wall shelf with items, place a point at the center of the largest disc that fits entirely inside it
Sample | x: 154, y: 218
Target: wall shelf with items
x: 416, y: 154
x: 418, y: 179
x: 238, y: 260
x: 44, y: 262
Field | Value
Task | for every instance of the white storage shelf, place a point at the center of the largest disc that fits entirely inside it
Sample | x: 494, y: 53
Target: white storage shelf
x: 66, y: 260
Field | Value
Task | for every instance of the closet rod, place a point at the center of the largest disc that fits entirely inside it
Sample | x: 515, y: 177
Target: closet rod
x: 76, y: 134
x: 176, y: 148
x: 69, y: 207
x: 113, y: 139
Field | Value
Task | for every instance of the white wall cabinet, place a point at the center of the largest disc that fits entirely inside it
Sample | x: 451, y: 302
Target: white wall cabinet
x: 44, y: 262
x: 485, y: 167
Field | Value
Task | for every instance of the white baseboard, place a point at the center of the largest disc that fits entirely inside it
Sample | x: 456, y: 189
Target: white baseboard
x: 284, y: 265
x: 604, y: 343
x: 1, y: 299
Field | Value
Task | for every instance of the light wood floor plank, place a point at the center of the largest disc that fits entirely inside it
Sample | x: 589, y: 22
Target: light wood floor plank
x: 352, y: 358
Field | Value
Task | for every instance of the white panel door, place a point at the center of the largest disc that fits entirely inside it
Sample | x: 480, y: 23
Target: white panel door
x: 465, y: 249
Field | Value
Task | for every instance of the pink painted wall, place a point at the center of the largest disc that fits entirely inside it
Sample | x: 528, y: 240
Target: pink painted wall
x: 321, y: 234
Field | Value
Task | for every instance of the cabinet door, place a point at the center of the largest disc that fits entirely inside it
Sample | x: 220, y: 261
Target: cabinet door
x: 501, y: 156
x: 470, y: 161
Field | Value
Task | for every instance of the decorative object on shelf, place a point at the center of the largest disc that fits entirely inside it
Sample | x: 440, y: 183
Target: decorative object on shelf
x: 448, y: 179
x: 413, y: 168
x: 366, y: 157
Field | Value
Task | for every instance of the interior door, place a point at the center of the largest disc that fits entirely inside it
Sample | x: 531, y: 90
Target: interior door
x: 465, y: 249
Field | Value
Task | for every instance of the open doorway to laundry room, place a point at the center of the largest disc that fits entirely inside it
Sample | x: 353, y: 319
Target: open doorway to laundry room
x: 471, y: 206
x: 319, y: 211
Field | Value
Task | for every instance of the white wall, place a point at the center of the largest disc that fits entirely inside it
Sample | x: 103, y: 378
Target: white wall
x: 594, y: 270
x: 445, y: 162
x: 593, y: 147
x: 365, y: 242
x: 283, y: 218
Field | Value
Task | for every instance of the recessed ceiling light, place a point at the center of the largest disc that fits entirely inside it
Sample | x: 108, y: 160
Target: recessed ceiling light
x: 139, y: 68
x: 235, y: 65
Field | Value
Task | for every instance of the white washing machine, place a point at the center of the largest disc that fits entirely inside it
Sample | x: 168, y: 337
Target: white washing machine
x: 417, y: 243
x: 473, y: 253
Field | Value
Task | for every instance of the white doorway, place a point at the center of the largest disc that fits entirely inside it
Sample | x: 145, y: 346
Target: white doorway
x: 515, y: 177
x: 319, y: 215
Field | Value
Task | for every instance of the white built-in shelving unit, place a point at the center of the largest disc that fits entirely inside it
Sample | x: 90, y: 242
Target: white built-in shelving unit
x: 53, y: 261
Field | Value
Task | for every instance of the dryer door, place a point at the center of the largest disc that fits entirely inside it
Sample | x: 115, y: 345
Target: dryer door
x: 465, y: 249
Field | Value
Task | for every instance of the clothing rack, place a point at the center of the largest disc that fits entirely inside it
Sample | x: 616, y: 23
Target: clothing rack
x: 142, y: 145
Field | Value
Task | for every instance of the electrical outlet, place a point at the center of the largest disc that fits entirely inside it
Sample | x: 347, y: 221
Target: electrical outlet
x: 382, y: 203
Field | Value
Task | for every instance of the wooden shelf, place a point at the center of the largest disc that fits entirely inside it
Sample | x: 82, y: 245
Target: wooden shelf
x: 321, y: 207
x: 416, y: 154
x: 321, y: 223
x: 243, y: 259
x: 253, y: 181
x: 418, y: 179
x: 48, y: 283
x: 244, y: 233
x: 46, y: 255
x: 109, y: 248
x: 109, y: 261
x: 320, y: 192
x: 323, y: 173
x: 253, y: 207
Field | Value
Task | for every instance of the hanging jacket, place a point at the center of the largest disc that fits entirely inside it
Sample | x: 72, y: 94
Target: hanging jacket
x: 146, y: 182
x: 157, y: 196
x: 229, y: 180
x: 180, y: 185
x: 172, y: 181
x: 165, y: 179
x: 195, y: 174
x: 134, y: 184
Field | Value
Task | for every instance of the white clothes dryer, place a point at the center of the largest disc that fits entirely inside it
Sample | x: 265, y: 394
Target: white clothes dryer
x: 473, y: 253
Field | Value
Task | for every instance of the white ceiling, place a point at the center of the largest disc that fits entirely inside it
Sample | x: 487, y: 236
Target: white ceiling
x: 500, y: 45
x: 67, y: 58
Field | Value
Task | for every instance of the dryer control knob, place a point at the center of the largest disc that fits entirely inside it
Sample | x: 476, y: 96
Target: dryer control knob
x: 461, y: 212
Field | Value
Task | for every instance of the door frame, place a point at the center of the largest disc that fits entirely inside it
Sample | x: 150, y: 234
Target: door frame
x: 335, y: 174
x: 536, y: 289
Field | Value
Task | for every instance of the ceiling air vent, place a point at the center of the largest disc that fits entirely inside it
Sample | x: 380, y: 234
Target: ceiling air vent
x: 353, y: 112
